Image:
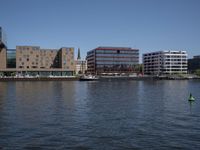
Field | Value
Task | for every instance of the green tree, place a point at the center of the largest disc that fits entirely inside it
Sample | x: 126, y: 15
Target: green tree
x: 139, y: 68
x: 197, y: 72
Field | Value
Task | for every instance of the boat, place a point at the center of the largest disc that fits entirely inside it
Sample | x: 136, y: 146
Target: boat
x: 88, y: 78
x: 191, y: 98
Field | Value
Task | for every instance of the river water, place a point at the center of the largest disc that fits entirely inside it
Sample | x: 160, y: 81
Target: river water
x: 102, y: 115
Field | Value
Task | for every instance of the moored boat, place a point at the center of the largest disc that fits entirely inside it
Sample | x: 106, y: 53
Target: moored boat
x: 88, y: 78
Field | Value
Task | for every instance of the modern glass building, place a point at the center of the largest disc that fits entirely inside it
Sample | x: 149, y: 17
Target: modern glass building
x: 165, y: 62
x: 112, y: 60
x: 11, y: 58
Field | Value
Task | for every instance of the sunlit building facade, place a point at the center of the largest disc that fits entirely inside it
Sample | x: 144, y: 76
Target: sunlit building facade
x: 112, y: 60
x: 34, y: 61
x: 44, y: 62
x: 165, y: 62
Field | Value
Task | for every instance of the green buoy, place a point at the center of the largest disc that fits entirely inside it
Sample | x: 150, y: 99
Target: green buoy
x: 191, y: 98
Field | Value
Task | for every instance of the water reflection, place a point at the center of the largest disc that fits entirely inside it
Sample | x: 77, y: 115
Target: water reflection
x: 99, y: 115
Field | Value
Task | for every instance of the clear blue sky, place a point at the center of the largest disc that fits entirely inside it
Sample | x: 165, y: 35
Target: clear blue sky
x: 149, y: 25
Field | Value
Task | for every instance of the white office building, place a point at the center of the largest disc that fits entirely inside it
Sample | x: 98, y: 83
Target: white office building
x: 165, y: 62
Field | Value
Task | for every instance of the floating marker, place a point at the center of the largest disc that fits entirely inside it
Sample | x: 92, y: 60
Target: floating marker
x: 191, y: 98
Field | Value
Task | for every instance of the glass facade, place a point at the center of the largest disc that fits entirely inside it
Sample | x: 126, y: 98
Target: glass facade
x: 11, y: 58
x: 112, y: 60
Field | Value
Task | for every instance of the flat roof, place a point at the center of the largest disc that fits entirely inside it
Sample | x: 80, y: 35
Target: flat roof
x: 164, y: 51
x: 114, y: 48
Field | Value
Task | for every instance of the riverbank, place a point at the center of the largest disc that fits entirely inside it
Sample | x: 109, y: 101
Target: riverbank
x: 110, y: 78
x: 102, y: 78
x: 39, y: 79
x: 71, y: 78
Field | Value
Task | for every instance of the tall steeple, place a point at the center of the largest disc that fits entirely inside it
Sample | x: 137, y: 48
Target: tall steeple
x: 79, y: 55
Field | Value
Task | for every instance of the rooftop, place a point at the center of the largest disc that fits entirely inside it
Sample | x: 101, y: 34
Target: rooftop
x: 114, y: 48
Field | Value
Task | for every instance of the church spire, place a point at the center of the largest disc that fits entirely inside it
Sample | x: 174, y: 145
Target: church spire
x: 79, y: 55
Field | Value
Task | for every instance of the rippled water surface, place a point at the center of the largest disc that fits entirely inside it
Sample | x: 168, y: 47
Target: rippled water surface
x: 99, y: 115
